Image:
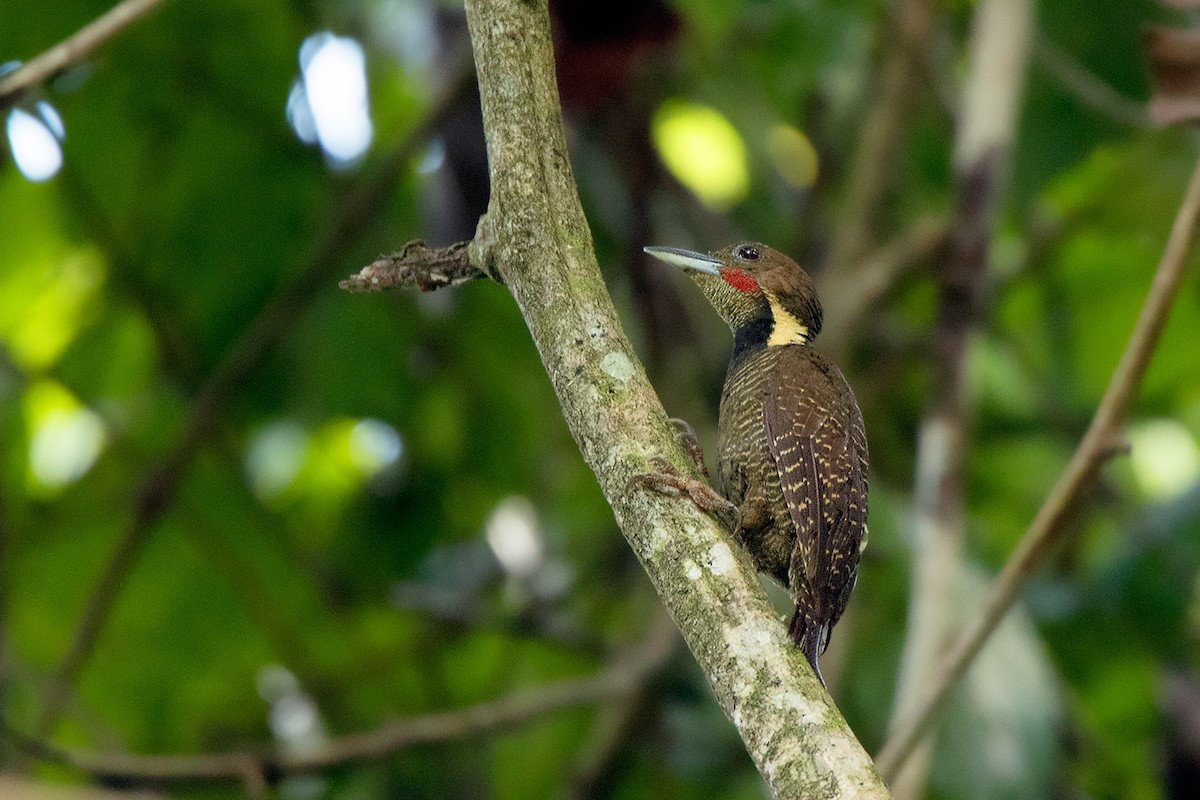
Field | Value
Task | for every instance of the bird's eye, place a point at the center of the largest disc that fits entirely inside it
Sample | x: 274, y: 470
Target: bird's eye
x: 747, y: 252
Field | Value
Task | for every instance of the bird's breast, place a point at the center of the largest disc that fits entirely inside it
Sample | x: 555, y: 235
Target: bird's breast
x: 745, y: 467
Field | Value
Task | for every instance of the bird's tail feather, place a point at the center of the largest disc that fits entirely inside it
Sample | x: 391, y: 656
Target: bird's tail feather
x: 811, y: 637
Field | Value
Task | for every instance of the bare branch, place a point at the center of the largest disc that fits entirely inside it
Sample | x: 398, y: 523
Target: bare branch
x: 877, y: 274
x: 874, y: 158
x: 1087, y: 86
x: 1047, y: 528
x: 551, y: 627
x: 159, y: 488
x: 75, y: 47
x: 415, y: 266
x: 535, y: 237
x: 612, y: 734
x: 266, y: 764
x: 13, y: 787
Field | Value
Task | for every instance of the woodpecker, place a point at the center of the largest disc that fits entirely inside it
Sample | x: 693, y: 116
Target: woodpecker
x: 792, y: 449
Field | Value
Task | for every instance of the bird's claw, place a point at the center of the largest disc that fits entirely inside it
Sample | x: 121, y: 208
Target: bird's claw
x: 667, y: 480
x: 731, y: 516
x: 664, y: 480
x: 686, y: 436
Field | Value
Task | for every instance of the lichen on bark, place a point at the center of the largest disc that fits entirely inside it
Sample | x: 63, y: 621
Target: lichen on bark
x: 535, y: 238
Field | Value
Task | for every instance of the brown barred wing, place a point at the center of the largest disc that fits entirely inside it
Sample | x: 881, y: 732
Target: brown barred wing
x: 814, y: 431
x: 858, y: 440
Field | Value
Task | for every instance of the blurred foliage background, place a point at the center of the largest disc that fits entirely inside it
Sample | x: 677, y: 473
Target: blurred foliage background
x: 240, y: 506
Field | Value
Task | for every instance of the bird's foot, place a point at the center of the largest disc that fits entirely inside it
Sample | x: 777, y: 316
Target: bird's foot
x: 668, y: 481
x: 686, y: 436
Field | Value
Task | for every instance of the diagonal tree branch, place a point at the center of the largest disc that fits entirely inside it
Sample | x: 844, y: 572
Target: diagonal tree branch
x: 877, y: 274
x: 874, y: 158
x: 627, y: 673
x: 1087, y: 87
x: 14, y: 787
x: 536, y: 239
x: 77, y: 46
x: 159, y: 488
x: 1099, y: 444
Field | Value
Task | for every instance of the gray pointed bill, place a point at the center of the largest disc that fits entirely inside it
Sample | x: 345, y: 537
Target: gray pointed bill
x: 685, y: 259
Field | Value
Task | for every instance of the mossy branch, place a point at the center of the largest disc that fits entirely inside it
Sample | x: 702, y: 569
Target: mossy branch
x: 416, y: 265
x: 536, y: 240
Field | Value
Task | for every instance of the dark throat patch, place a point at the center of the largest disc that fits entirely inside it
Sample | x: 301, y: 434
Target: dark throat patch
x: 751, y: 337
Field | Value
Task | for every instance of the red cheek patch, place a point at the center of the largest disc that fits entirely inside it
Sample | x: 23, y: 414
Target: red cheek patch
x: 740, y: 280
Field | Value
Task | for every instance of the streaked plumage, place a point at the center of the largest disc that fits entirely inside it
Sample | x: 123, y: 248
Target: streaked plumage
x: 792, y: 451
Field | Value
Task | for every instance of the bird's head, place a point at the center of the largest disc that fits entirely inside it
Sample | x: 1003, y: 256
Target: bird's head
x: 749, y: 284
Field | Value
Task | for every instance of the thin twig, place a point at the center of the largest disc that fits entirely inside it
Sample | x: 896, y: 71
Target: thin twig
x: 74, y: 47
x: 282, y: 631
x: 1088, y: 87
x: 627, y: 673
x: 877, y: 274
x: 416, y: 265
x: 613, y: 731
x: 159, y: 488
x: 469, y: 614
x: 1047, y: 528
x: 874, y: 158
x: 19, y: 787
x: 613, y: 734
